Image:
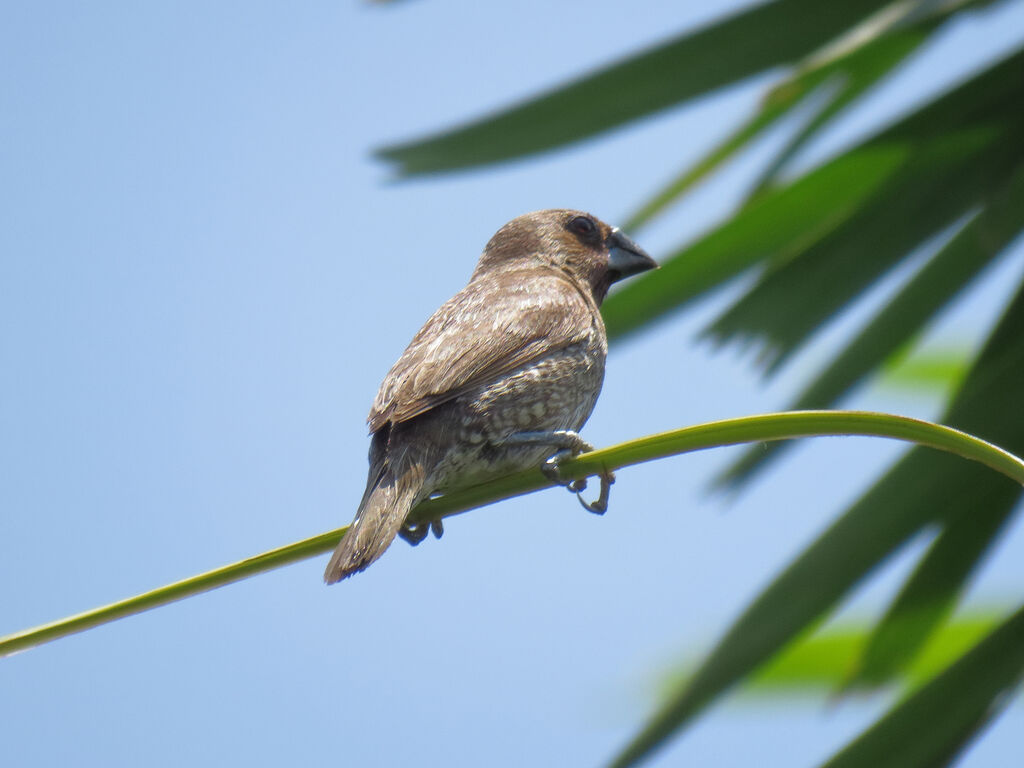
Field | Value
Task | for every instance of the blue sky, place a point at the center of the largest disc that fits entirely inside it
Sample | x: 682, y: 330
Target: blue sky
x: 203, y: 278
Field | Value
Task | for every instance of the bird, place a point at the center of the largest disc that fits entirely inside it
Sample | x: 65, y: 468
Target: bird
x: 499, y: 379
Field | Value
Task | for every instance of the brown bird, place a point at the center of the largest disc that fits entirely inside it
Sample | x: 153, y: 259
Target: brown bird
x: 499, y: 379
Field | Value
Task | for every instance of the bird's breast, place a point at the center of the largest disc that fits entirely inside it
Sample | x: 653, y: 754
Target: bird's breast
x: 556, y: 392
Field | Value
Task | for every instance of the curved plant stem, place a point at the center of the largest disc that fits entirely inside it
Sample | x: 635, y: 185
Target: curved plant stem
x: 774, y: 426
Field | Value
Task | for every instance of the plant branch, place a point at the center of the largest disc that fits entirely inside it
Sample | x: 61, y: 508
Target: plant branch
x: 768, y: 427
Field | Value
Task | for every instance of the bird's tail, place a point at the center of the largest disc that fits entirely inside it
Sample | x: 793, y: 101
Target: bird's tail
x: 382, y: 511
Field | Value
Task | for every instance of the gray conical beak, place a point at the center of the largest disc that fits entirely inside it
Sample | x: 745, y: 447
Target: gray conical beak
x: 625, y: 257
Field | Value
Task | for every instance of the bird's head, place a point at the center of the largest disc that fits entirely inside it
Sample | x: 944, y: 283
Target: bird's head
x: 590, y: 252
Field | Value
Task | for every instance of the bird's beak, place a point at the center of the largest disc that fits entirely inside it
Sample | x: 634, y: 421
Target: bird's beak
x: 625, y: 257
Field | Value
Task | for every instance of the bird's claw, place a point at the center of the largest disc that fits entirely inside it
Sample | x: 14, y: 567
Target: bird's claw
x: 414, y: 533
x: 550, y: 470
x: 600, y: 505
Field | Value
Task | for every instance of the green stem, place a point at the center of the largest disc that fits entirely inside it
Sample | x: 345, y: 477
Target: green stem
x: 774, y: 426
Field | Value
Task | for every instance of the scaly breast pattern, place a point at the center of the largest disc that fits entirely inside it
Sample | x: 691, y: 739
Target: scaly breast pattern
x: 556, y: 392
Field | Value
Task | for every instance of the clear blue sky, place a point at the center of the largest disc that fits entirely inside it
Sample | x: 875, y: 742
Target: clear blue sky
x: 203, y: 278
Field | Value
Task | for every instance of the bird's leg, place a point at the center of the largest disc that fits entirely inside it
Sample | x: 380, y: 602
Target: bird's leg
x: 569, y: 444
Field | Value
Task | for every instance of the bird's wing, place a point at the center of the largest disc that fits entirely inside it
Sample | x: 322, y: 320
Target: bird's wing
x: 492, y: 326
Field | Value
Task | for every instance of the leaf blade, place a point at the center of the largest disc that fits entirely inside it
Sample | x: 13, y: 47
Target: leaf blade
x: 821, y: 661
x: 771, y: 229
x: 929, y: 595
x: 922, y: 489
x: 699, y: 62
x: 932, y: 726
x: 936, y: 284
x: 857, y: 70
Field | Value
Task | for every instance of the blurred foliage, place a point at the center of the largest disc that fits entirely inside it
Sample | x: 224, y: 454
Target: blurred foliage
x: 940, y: 370
x: 945, y: 183
x: 823, y: 661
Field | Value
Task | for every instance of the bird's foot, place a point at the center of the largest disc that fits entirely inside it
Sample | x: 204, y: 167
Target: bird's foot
x: 414, y: 533
x: 569, y: 445
x: 599, y: 505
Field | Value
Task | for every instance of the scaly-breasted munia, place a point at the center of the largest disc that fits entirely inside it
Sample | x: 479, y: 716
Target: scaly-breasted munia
x: 499, y: 379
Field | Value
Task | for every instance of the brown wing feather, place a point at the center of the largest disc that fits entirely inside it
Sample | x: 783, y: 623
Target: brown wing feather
x: 481, y: 333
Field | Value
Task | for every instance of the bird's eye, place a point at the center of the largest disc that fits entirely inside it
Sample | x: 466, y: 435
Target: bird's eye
x: 583, y: 226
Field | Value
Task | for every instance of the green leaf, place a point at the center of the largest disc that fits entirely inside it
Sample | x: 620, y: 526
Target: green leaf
x: 935, y: 286
x: 962, y: 148
x: 772, y: 110
x: 797, y: 599
x: 922, y: 490
x: 855, y: 74
x: 740, y: 46
x: 931, y: 727
x: 848, y: 76
x: 929, y: 595
x: 973, y: 516
x: 829, y: 234
x: 772, y: 229
x: 938, y: 370
x: 822, y: 661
